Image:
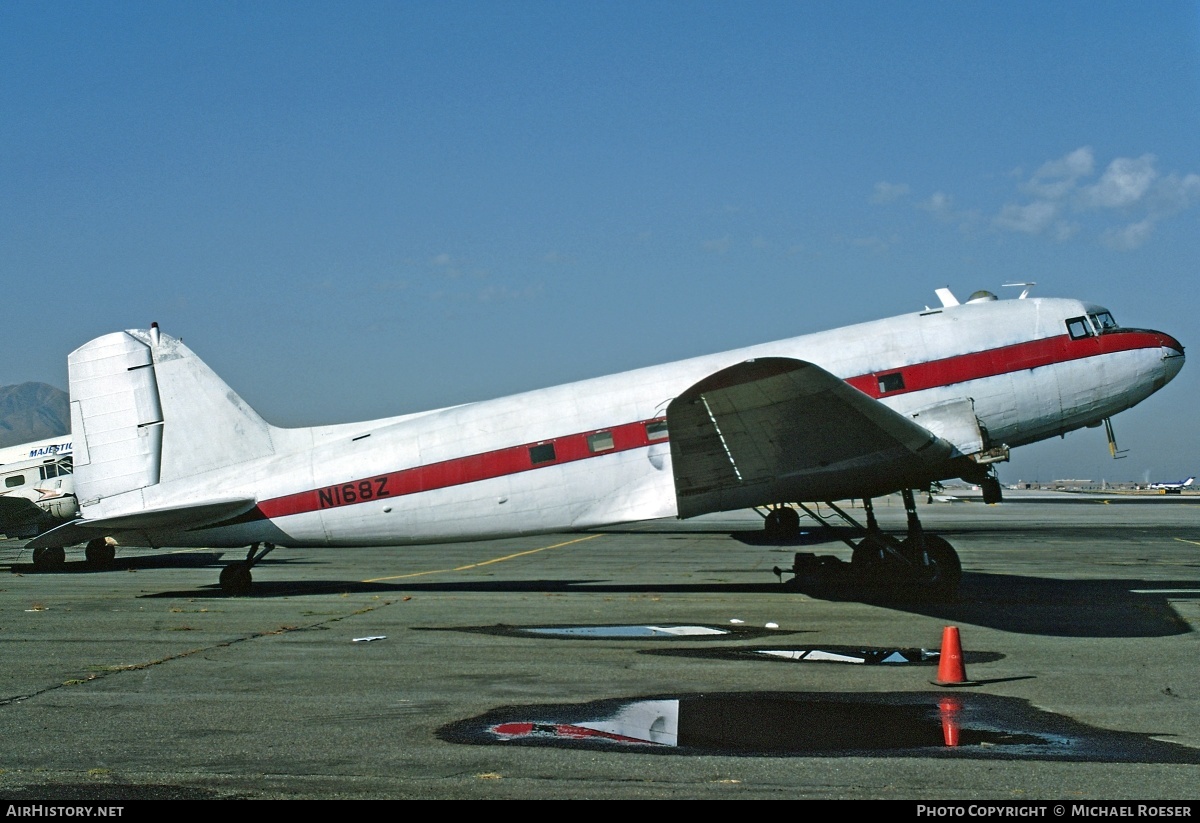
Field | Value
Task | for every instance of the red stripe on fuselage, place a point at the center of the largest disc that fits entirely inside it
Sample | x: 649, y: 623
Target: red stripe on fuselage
x: 455, y: 472
x: 1031, y: 354
x: 573, y: 447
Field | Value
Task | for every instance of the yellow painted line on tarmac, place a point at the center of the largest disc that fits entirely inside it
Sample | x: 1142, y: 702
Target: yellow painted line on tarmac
x: 485, y: 562
x: 1193, y: 542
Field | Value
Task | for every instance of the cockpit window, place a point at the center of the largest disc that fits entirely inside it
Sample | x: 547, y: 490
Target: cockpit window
x: 1096, y: 323
x: 1078, y: 327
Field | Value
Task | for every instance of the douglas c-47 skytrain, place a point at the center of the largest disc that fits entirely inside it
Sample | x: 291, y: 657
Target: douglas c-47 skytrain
x: 166, y: 454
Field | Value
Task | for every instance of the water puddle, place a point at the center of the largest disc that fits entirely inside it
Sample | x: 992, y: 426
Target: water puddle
x: 925, y: 724
x: 664, y: 631
x: 626, y: 631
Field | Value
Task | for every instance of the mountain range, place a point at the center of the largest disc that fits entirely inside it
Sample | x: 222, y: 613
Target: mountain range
x: 32, y: 411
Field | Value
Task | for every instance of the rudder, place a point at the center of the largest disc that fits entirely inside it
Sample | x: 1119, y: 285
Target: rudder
x: 145, y: 410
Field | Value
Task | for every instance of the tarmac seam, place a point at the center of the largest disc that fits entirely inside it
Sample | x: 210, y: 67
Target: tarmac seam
x: 132, y: 667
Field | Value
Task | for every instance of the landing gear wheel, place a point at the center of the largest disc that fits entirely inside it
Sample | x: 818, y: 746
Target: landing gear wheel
x: 782, y: 523
x: 992, y: 492
x: 870, y: 551
x: 871, y: 561
x: 938, y: 573
x: 236, y: 578
x: 100, y: 552
x: 49, y: 558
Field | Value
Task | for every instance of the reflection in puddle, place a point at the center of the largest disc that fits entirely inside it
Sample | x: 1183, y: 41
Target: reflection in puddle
x: 736, y: 724
x: 646, y: 721
x: 889, y: 656
x: 626, y: 631
x: 864, y: 656
x: 635, y: 631
x: 793, y: 724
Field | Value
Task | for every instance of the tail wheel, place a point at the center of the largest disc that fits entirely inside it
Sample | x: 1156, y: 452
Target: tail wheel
x: 236, y: 578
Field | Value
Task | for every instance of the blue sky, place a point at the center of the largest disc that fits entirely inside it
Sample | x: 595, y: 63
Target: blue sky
x: 360, y: 209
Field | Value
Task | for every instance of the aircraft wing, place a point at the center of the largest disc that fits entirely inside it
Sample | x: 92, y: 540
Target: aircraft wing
x: 776, y: 430
x: 161, y: 520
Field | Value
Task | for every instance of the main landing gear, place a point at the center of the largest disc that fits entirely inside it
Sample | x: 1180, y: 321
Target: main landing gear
x: 49, y: 558
x: 236, y: 577
x: 101, y: 552
x: 920, y: 564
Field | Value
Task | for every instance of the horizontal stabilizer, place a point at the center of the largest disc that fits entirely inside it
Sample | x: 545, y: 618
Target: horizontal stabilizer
x: 167, y: 519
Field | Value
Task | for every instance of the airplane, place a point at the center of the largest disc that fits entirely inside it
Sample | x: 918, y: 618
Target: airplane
x: 38, y: 448
x: 167, y: 454
x: 1173, y: 488
x: 36, y: 494
x: 36, y: 487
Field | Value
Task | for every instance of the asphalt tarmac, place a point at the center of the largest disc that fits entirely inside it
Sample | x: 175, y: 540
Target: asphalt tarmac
x: 664, y: 660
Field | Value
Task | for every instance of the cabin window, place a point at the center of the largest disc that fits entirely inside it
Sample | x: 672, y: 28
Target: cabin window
x: 14, y: 481
x: 55, y: 469
x: 656, y: 430
x: 541, y: 453
x: 1103, y: 321
x: 600, y: 442
x: 1078, y: 328
x: 891, y: 382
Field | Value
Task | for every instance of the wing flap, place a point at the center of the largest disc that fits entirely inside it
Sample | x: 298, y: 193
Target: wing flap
x: 777, y: 429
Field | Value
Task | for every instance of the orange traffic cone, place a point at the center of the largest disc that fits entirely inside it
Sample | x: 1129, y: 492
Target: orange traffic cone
x: 951, y: 671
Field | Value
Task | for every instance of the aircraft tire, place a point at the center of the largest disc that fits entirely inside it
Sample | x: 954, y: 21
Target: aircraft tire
x: 869, y: 552
x: 942, y: 575
x: 782, y: 523
x: 49, y: 558
x: 992, y: 492
x: 236, y: 578
x: 100, y: 552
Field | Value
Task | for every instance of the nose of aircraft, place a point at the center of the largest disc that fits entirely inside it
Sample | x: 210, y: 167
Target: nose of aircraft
x: 1172, y: 355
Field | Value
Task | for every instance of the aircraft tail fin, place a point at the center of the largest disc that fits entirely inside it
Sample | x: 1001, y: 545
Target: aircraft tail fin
x: 145, y: 410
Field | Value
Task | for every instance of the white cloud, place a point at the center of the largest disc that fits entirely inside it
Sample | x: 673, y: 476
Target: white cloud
x: 1055, y: 179
x: 1064, y: 230
x: 1124, y: 182
x: 1172, y: 194
x: 939, y: 203
x: 1129, y: 237
x: 888, y: 192
x: 1064, y: 199
x: 1032, y: 218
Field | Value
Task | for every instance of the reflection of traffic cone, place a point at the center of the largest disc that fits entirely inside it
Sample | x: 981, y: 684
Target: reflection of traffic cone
x: 948, y: 709
x: 951, y: 671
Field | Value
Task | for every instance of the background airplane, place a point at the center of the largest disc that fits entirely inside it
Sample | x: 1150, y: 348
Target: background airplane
x: 167, y: 454
x: 36, y: 493
x: 50, y: 446
x: 1173, y: 488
